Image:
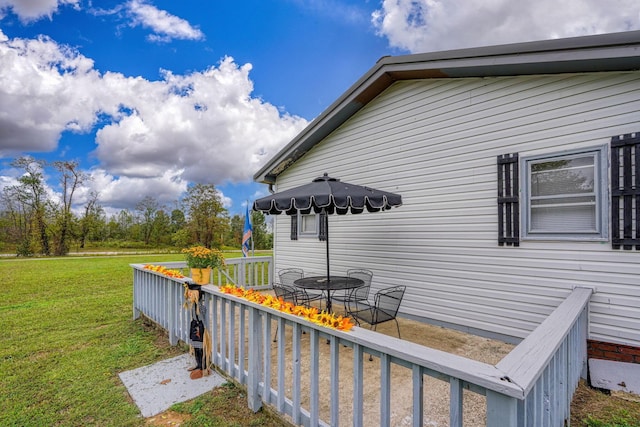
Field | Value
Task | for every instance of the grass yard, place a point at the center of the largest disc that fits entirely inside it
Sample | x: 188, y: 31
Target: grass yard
x: 67, y: 332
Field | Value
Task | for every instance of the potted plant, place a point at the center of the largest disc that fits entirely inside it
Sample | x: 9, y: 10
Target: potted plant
x: 202, y: 261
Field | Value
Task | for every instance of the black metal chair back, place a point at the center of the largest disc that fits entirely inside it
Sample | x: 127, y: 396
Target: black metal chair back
x: 289, y: 275
x: 285, y: 292
x: 384, y: 308
x: 360, y: 293
x: 387, y: 303
x: 302, y: 297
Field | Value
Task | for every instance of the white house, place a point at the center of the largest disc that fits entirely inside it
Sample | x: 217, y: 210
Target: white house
x: 519, y: 169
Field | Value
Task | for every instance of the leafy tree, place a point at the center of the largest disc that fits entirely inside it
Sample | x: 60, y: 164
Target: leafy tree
x: 161, y: 230
x: 125, y: 222
x: 178, y: 220
x: 207, y: 218
x: 236, y: 228
x: 147, y: 209
x: 181, y: 238
x: 31, y: 201
x: 262, y: 238
x: 17, y: 220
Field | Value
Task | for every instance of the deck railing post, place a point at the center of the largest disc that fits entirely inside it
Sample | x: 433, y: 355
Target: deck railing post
x: 455, y: 402
x: 502, y: 410
x: 137, y: 278
x: 253, y: 380
x: 242, y: 277
x: 172, y: 313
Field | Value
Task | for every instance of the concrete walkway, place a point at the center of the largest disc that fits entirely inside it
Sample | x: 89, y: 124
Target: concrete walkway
x: 156, y: 387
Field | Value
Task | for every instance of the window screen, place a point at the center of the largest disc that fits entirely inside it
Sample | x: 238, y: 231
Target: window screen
x: 565, y: 195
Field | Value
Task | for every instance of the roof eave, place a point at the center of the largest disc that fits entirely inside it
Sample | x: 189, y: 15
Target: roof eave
x: 607, y: 52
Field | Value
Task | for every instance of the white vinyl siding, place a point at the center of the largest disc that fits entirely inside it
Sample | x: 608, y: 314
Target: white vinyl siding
x: 435, y: 142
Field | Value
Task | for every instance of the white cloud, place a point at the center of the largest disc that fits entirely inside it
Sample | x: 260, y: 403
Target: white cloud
x: 32, y: 10
x: 165, y: 26
x: 153, y: 136
x: 432, y: 25
x: 205, y: 123
x: 125, y: 192
x: 39, y: 97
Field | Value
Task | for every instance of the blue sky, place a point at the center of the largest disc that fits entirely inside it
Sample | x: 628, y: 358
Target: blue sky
x: 152, y: 96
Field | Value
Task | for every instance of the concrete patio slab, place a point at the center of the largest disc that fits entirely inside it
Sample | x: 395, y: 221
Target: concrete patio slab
x: 156, y: 387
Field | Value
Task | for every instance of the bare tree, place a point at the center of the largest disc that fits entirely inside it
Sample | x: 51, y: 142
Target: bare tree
x: 70, y: 179
x: 90, y: 217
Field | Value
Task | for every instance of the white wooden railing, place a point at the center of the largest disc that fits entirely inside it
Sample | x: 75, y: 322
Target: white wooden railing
x: 252, y: 272
x: 532, y: 386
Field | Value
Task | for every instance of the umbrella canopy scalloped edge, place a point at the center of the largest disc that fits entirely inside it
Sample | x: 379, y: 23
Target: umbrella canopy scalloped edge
x: 329, y: 195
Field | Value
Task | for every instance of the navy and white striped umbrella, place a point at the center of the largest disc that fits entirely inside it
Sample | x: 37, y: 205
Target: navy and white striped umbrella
x: 327, y: 196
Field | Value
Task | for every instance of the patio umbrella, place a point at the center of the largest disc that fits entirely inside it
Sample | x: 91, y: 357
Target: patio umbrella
x: 327, y: 196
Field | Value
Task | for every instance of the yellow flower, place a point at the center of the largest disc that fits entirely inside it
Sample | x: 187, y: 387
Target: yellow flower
x: 201, y: 257
x: 311, y: 314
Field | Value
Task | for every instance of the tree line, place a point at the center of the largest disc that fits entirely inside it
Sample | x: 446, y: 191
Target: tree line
x: 36, y: 221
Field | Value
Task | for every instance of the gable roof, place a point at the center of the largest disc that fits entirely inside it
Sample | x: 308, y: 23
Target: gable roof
x: 606, y: 52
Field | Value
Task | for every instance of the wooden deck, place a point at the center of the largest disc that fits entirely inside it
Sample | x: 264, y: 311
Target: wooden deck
x: 319, y: 377
x: 436, y: 391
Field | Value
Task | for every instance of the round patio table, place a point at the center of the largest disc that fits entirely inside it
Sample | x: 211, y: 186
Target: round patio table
x: 333, y: 283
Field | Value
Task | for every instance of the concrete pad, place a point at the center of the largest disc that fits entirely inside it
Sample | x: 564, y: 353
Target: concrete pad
x: 156, y: 387
x: 615, y: 376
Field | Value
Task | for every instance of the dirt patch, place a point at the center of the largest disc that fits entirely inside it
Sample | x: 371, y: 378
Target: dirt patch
x: 168, y: 418
x: 223, y: 406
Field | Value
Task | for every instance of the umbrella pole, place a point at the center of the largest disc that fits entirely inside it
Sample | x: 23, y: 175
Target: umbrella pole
x: 326, y: 227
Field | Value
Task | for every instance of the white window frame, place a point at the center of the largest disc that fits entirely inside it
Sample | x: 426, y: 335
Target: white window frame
x: 308, y: 219
x: 601, y: 179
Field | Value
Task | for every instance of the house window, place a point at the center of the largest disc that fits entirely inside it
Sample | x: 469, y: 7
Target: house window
x: 308, y: 225
x: 565, y: 195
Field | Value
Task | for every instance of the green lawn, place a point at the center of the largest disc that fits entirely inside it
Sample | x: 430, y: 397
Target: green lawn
x: 66, y: 332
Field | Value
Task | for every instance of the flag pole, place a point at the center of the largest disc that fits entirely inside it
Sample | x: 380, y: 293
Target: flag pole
x: 253, y: 251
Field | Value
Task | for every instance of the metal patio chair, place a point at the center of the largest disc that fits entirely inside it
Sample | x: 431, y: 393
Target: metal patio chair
x: 351, y: 296
x: 288, y: 276
x: 384, y: 308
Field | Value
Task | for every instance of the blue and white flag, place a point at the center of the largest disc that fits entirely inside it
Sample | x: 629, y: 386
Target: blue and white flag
x: 246, y: 235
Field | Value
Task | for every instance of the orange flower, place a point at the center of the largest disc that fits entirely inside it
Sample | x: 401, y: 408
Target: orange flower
x: 312, y: 314
x: 163, y: 270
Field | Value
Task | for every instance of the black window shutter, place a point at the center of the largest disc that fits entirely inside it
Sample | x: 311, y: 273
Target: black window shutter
x: 508, y: 200
x: 294, y: 227
x: 625, y: 191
